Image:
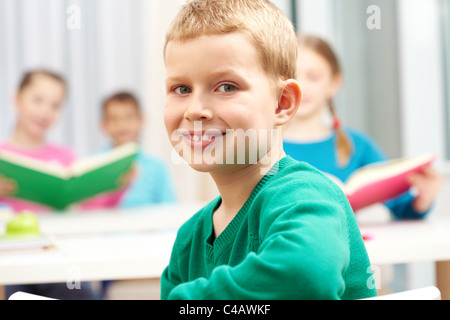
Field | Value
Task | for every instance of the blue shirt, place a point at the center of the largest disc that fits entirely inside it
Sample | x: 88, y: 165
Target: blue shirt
x: 153, y: 185
x: 322, y: 155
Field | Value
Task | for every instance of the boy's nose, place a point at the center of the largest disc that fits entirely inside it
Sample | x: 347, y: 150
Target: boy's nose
x: 198, y: 109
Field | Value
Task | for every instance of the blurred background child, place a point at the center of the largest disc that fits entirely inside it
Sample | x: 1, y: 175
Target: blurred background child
x: 337, y: 150
x: 38, y: 104
x: 123, y: 121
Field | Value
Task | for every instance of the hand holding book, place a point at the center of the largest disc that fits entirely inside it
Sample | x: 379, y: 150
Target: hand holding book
x: 7, y: 186
x: 380, y: 182
x: 128, y: 177
x: 427, y: 183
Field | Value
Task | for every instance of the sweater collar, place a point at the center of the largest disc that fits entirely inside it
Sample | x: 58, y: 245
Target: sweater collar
x: 216, y: 247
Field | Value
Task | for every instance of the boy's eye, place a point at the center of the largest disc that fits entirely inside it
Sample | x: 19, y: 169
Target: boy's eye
x: 183, y: 90
x: 227, y: 88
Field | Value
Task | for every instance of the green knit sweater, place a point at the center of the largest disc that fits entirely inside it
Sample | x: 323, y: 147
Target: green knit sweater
x: 296, y: 237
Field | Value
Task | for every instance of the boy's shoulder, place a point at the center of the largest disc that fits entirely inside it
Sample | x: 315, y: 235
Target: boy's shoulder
x: 300, y: 179
x: 149, y: 159
x: 299, y: 187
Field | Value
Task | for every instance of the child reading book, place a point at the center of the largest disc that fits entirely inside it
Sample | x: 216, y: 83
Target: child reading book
x: 280, y: 229
x: 123, y: 121
x: 38, y: 103
x: 151, y: 182
x: 337, y: 150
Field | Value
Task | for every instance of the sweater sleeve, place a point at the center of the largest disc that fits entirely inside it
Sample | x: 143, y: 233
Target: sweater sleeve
x: 171, y: 275
x: 304, y: 254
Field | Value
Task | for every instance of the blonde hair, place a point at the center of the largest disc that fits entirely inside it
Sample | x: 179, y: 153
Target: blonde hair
x: 269, y: 30
x: 344, y: 147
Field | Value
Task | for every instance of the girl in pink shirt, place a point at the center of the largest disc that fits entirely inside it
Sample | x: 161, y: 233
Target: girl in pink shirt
x: 38, y: 104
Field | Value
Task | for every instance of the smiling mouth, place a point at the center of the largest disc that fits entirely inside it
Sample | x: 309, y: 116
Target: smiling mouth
x: 201, y: 139
x: 204, y: 137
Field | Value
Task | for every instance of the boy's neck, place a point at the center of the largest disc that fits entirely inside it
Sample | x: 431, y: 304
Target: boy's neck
x: 21, y: 139
x: 235, y: 186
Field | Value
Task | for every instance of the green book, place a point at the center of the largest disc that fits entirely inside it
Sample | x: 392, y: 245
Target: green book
x: 58, y: 187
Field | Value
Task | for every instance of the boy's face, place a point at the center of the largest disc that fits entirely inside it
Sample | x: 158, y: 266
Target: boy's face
x: 122, y: 122
x: 39, y: 105
x: 215, y: 88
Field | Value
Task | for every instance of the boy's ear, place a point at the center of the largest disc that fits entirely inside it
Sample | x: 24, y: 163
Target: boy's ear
x: 289, y: 102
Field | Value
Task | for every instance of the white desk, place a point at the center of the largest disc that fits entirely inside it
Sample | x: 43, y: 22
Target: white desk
x: 105, y: 221
x: 408, y: 241
x: 396, y: 242
x: 132, y: 255
x: 137, y: 244
x: 102, y: 245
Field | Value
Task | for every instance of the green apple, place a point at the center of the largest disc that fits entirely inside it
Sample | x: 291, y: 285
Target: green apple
x: 24, y: 226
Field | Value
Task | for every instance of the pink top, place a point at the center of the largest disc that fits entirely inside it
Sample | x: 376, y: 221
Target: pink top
x: 65, y: 157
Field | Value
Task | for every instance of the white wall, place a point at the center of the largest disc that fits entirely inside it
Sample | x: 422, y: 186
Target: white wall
x: 422, y: 88
x: 317, y: 17
x: 103, y: 55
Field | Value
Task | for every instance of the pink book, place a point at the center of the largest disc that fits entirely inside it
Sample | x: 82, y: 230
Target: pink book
x: 382, y: 181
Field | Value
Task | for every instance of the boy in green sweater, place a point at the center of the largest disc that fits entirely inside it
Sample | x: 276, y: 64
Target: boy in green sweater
x: 280, y: 229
